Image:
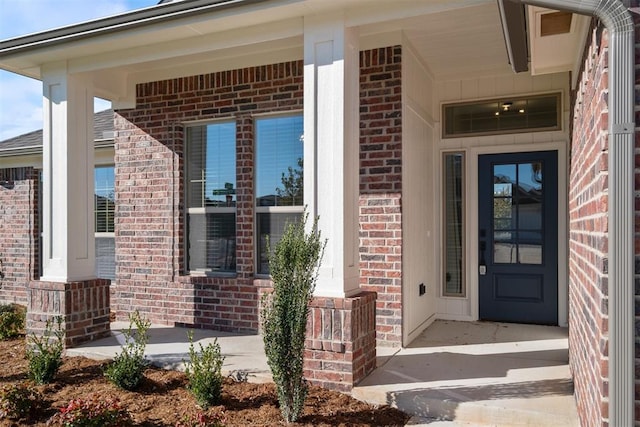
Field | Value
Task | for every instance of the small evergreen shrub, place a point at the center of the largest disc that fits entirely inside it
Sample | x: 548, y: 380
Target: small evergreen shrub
x: 204, y: 372
x: 19, y: 401
x: 128, y: 367
x: 202, y: 419
x: 12, y: 318
x: 92, y: 412
x: 294, y: 271
x: 45, y: 352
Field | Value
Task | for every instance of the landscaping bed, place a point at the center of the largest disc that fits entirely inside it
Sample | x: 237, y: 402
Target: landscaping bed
x: 163, y: 400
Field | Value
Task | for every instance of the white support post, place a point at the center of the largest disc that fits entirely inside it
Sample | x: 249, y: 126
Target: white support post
x: 68, y: 176
x: 331, y: 134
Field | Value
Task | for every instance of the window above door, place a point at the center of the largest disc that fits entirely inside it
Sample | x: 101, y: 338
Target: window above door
x: 502, y: 115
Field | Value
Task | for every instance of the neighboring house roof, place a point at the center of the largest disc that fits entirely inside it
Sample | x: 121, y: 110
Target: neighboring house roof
x: 31, y: 143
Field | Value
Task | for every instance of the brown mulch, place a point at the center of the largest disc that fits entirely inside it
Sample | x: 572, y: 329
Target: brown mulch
x: 163, y: 400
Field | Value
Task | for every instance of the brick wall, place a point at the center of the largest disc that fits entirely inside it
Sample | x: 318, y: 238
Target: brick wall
x: 150, y: 205
x: 18, y: 233
x: 381, y: 187
x: 341, y: 341
x: 84, y: 307
x: 588, y: 243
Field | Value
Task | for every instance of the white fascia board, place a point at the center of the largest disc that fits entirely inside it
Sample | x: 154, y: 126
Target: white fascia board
x: 182, y: 49
x: 135, y: 29
x: 118, y: 23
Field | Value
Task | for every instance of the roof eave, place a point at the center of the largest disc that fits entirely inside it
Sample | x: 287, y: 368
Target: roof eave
x: 122, y: 22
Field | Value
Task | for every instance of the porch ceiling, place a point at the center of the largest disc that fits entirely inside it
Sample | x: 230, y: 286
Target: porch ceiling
x: 456, y: 43
x: 454, y: 38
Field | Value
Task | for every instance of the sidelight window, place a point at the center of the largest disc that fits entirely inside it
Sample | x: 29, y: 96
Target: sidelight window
x: 454, y: 225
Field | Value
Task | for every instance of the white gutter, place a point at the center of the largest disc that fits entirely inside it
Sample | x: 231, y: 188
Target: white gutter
x: 616, y: 18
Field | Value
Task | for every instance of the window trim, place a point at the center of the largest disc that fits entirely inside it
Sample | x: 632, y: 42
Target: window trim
x: 205, y: 209
x: 502, y: 99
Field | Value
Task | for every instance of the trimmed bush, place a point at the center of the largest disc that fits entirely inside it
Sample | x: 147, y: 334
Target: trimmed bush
x: 92, y: 412
x: 12, y: 317
x: 127, y: 369
x: 19, y: 401
x: 204, y: 373
x: 294, y: 267
x: 45, y: 352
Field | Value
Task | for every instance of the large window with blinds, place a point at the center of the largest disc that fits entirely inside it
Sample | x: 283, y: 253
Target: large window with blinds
x: 278, y: 181
x: 211, y: 197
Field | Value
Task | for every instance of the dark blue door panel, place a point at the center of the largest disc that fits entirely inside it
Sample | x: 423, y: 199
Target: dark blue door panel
x: 518, y: 237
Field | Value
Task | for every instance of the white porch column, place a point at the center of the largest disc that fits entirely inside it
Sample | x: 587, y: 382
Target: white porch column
x: 68, y: 176
x: 331, y: 134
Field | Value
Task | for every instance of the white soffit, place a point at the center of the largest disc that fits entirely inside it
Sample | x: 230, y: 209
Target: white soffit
x: 555, y: 48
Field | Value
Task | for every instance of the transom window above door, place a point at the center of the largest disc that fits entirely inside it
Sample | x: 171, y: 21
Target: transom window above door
x: 503, y: 115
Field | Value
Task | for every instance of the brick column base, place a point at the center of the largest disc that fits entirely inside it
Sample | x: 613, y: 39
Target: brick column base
x: 84, y: 307
x: 341, y: 341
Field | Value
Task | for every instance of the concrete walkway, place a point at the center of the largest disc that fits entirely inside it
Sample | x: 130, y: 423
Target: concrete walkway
x: 454, y: 374
x: 478, y: 373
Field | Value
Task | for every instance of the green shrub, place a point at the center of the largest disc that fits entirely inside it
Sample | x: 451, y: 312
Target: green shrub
x: 45, y: 352
x: 294, y: 270
x: 19, y: 401
x: 92, y: 412
x: 128, y: 367
x: 12, y: 318
x: 204, y: 373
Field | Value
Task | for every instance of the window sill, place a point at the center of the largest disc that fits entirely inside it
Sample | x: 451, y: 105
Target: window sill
x: 222, y: 274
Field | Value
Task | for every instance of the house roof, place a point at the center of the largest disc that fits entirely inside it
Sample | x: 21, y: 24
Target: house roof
x: 31, y: 143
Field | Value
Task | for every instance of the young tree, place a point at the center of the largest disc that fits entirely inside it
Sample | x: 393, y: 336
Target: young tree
x: 294, y: 271
x: 293, y: 184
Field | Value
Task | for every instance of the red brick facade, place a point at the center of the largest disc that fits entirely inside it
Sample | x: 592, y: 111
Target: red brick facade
x: 151, y: 274
x: 588, y: 238
x: 150, y: 239
x: 84, y: 307
x: 381, y: 187
x: 18, y: 233
x: 341, y: 341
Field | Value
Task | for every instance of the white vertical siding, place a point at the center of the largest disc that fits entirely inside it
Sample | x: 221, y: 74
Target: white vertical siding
x: 418, y: 192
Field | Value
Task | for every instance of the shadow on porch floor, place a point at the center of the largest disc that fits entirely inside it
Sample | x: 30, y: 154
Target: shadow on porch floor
x: 478, y: 373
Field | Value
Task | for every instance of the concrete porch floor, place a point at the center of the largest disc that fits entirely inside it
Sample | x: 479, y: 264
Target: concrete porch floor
x: 168, y: 347
x: 480, y: 374
x: 453, y: 374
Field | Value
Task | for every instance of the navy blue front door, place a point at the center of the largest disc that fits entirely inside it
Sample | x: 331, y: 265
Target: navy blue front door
x: 518, y: 237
